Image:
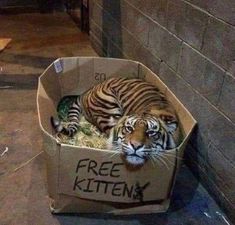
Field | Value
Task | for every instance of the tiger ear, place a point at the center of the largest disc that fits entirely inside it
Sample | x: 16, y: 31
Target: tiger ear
x: 170, y: 122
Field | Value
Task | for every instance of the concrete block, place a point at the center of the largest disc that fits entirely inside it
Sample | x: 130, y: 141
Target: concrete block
x: 223, y: 10
x: 96, y: 13
x: 91, y: 3
x: 99, y: 2
x: 200, y: 3
x: 217, y: 129
x: 156, y: 9
x: 223, y: 172
x: 110, y: 27
x: 164, y: 45
x: 136, y: 3
x: 227, y: 98
x: 217, y: 168
x: 193, y: 154
x: 186, y: 94
x: 135, y: 22
x: 97, y: 45
x: 220, y: 9
x: 177, y: 85
x: 219, y: 43
x: 144, y: 56
x: 98, y: 39
x: 186, y: 22
x: 113, y: 51
x: 112, y: 7
x: 129, y: 43
x: 199, y: 72
x: 96, y: 30
x: 213, y: 127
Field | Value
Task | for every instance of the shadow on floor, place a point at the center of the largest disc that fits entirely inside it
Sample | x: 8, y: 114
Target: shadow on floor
x: 27, y: 60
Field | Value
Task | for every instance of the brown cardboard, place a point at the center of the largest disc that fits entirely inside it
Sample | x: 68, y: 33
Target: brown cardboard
x: 92, y: 180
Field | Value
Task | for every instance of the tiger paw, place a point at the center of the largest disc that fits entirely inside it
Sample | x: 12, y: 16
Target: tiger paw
x: 56, y: 124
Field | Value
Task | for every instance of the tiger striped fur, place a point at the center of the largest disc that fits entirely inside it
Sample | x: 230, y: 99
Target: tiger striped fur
x: 134, y: 114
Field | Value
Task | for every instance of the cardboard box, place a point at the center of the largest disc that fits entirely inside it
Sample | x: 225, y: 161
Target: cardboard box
x: 89, y: 180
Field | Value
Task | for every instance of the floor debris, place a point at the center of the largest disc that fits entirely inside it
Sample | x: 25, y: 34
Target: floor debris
x: 4, y: 42
x: 5, y: 151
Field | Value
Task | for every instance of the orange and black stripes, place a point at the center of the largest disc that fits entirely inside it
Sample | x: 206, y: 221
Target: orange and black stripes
x: 104, y: 104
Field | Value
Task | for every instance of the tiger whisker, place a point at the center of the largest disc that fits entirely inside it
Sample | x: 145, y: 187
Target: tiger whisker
x: 179, y: 158
x: 148, y: 156
x: 156, y: 159
x: 125, y: 149
x: 108, y: 153
x: 163, y: 152
x: 172, y: 155
x: 168, y: 160
x: 162, y: 160
x: 152, y: 161
x: 157, y: 153
x: 125, y: 145
x: 112, y: 155
x: 115, y: 153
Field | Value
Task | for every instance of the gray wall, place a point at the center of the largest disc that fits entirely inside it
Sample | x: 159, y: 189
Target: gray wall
x: 190, y: 44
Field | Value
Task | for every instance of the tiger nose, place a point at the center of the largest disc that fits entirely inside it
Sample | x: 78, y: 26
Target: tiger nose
x: 136, y: 145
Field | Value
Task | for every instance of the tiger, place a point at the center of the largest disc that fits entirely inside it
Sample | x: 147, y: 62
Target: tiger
x: 135, y: 115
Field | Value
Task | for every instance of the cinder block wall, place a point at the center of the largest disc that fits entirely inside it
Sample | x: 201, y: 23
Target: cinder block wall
x: 191, y: 45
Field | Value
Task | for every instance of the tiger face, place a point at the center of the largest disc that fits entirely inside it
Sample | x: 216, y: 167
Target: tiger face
x: 140, y: 138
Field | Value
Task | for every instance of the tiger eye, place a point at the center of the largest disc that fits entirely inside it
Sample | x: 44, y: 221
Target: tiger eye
x: 129, y: 129
x: 152, y: 133
x: 117, y: 116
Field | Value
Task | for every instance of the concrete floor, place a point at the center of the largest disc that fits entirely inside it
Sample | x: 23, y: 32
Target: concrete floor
x: 37, y: 41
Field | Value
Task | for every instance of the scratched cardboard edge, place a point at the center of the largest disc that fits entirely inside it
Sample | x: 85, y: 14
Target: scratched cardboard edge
x: 62, y: 203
